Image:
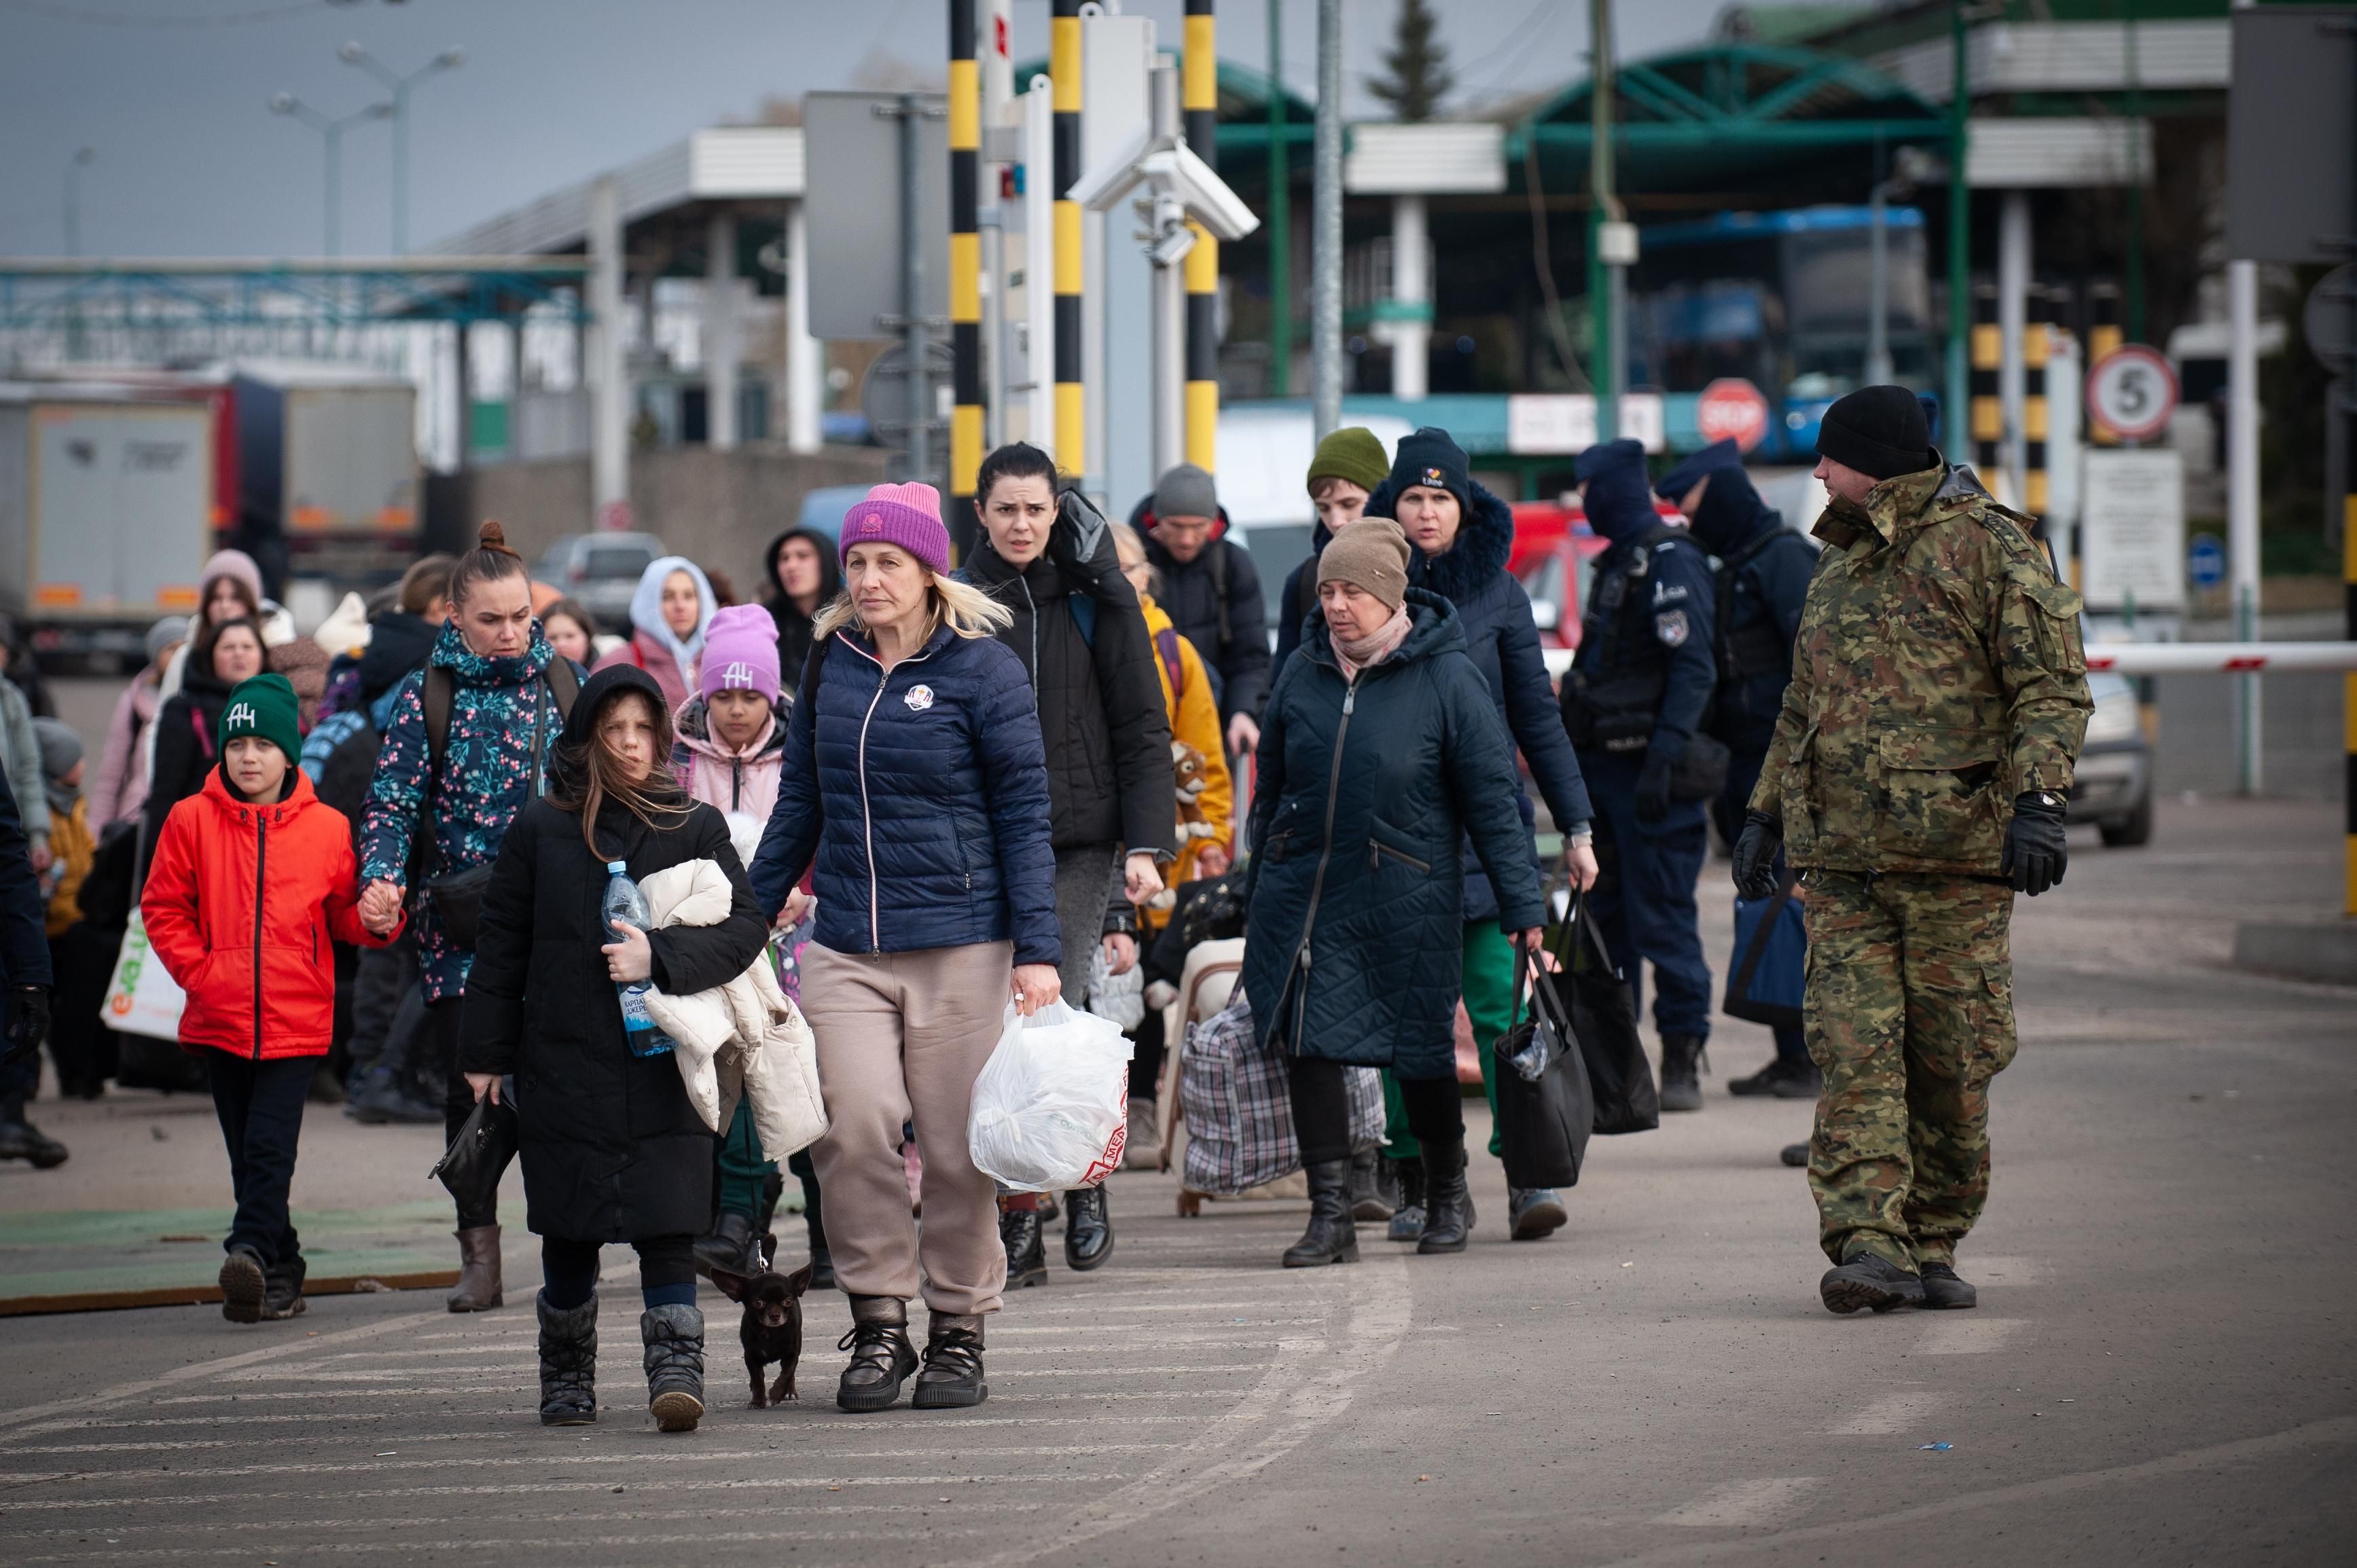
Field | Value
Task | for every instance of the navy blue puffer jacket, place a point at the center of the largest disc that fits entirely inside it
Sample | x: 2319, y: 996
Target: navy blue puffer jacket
x: 921, y: 793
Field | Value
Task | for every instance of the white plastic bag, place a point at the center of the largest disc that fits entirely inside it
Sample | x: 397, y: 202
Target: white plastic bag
x: 1050, y: 1108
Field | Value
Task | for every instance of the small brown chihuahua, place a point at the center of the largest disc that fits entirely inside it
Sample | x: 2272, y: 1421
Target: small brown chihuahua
x: 772, y: 1328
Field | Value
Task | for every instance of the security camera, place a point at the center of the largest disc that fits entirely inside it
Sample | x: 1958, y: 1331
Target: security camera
x: 1172, y: 173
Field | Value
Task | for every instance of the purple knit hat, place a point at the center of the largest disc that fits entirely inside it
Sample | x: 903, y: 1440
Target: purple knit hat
x: 906, y: 515
x: 740, y: 653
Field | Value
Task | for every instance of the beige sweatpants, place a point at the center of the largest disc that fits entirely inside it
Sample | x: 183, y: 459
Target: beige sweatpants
x: 901, y: 1037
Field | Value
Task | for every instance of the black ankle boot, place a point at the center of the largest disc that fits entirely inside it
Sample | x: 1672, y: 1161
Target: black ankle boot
x: 881, y: 1356
x: 1681, y: 1061
x: 1087, y: 1229
x: 821, y: 1259
x: 568, y: 1363
x: 674, y: 1335
x: 951, y: 1378
x: 1367, y: 1201
x: 1447, y: 1203
x: 1331, y: 1237
x: 1021, y: 1232
x: 733, y: 1248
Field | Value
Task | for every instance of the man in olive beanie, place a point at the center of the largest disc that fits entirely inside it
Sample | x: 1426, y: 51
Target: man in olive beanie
x: 263, y: 706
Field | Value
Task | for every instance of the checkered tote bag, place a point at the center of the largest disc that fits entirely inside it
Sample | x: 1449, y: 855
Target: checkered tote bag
x: 1237, y: 1097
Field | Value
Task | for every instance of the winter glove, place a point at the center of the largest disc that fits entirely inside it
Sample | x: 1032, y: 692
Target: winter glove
x: 1080, y: 544
x: 28, y: 1021
x: 2035, y: 852
x: 1653, y: 785
x: 1755, y: 855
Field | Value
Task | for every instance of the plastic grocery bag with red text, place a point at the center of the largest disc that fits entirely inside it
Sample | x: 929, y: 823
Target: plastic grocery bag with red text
x: 1050, y: 1108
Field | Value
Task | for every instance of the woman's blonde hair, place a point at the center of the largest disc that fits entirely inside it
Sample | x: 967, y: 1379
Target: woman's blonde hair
x: 1129, y: 546
x: 965, y: 608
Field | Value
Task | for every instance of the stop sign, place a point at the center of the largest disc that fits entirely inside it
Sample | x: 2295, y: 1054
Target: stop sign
x: 1732, y: 409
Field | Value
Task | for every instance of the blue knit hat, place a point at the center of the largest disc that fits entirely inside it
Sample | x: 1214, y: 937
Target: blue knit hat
x: 1432, y: 458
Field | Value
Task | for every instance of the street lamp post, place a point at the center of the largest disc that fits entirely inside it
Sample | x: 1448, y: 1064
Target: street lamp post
x: 286, y: 103
x: 82, y: 160
x: 355, y: 53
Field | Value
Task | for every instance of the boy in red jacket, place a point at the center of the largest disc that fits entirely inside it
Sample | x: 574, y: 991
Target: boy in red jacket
x: 252, y: 878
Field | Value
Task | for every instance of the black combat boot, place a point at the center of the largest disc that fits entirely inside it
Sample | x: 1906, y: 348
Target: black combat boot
x: 1784, y: 1080
x: 1681, y: 1058
x: 733, y: 1248
x: 881, y: 1356
x: 952, y: 1376
x: 1407, y: 1219
x: 568, y: 1363
x: 1864, y: 1280
x: 1448, y: 1202
x: 1368, y: 1199
x: 674, y: 1333
x: 1943, y: 1291
x: 1021, y: 1232
x: 822, y: 1260
x: 282, y: 1290
x: 1087, y: 1229
x: 1331, y: 1237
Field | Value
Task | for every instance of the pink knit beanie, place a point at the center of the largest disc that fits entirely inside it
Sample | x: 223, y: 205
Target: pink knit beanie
x: 906, y: 515
x: 740, y: 653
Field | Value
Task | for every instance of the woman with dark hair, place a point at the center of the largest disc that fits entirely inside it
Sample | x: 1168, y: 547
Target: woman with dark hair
x: 226, y: 652
x: 613, y: 1149
x: 804, y: 579
x: 507, y: 695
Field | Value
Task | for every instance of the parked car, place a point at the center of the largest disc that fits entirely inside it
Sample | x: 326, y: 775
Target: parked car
x: 2112, y: 785
x: 602, y: 571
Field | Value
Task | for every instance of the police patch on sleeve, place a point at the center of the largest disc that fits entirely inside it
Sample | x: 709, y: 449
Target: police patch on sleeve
x: 1670, y: 626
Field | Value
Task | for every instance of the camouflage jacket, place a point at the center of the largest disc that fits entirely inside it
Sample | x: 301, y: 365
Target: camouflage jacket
x: 1938, y: 673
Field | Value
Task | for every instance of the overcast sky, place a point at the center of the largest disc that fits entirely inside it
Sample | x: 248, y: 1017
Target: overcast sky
x: 172, y: 95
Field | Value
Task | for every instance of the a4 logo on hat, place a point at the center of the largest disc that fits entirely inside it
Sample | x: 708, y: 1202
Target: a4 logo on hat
x: 241, y: 714
x: 737, y: 676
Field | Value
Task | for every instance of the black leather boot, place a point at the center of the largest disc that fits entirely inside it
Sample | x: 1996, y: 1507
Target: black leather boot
x: 1027, y: 1251
x: 881, y: 1356
x: 733, y: 1248
x: 1367, y: 1201
x: 1331, y: 1237
x: 674, y: 1333
x: 1087, y: 1229
x: 568, y: 1363
x: 479, y: 1271
x: 952, y: 1376
x: 1681, y: 1060
x: 1864, y: 1280
x: 1448, y: 1202
x: 1407, y: 1219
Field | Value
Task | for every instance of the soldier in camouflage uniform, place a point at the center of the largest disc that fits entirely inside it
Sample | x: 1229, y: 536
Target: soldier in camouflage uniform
x: 1917, y: 780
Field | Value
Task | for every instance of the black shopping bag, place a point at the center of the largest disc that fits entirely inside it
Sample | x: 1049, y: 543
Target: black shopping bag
x: 1545, y: 1111
x: 477, y: 1158
x: 1604, y: 1020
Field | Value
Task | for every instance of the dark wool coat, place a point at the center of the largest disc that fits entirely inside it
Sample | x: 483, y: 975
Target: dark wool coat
x: 1102, y: 716
x: 920, y: 796
x: 1355, y: 938
x: 612, y: 1148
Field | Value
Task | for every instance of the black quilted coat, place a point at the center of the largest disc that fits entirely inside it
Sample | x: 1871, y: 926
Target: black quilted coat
x: 1355, y: 936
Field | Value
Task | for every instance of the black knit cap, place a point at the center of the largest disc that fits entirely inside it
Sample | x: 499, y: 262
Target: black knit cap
x: 1878, y: 431
x: 1432, y: 458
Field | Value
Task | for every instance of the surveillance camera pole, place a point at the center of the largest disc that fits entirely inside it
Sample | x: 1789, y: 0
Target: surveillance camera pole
x: 1326, y: 228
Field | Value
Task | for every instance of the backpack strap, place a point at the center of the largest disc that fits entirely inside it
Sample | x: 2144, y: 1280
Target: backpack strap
x: 1220, y: 548
x: 1085, y: 615
x: 564, y: 686
x: 1165, y: 643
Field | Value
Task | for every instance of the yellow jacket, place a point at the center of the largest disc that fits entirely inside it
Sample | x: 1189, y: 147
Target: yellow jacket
x: 1194, y: 721
x: 73, y: 847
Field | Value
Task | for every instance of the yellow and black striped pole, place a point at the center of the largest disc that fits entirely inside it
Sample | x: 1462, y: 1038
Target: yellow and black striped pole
x: 1200, y: 99
x: 2103, y: 337
x: 2034, y: 347
x: 1988, y: 410
x: 1064, y: 74
x: 965, y: 274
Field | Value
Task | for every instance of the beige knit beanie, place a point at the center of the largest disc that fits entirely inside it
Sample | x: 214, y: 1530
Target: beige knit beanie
x: 1371, y: 555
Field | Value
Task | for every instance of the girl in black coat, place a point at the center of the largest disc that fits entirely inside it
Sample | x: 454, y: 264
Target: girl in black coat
x: 612, y: 1148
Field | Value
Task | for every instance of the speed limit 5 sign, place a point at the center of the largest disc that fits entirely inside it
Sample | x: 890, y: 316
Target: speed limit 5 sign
x: 2131, y: 392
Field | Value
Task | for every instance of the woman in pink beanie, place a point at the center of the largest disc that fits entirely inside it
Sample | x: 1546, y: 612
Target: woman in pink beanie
x: 732, y: 733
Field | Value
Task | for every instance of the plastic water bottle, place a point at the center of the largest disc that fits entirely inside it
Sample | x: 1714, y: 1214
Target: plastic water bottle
x: 625, y: 906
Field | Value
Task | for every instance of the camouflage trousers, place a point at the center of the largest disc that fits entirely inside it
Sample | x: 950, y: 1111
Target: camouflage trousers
x: 1908, y: 1014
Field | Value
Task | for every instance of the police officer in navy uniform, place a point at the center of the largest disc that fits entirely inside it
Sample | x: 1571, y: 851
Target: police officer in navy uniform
x: 1761, y: 578
x: 1634, y: 703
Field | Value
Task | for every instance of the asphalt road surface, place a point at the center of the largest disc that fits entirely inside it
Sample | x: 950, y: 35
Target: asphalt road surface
x: 2159, y: 1371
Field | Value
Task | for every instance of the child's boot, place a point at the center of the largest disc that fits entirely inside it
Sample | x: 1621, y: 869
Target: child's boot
x: 675, y: 1341
x: 568, y: 1363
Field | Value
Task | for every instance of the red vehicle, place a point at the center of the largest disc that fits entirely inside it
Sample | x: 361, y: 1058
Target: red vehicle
x: 1554, y: 556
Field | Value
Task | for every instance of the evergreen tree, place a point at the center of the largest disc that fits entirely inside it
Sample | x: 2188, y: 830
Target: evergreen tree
x: 1417, y: 66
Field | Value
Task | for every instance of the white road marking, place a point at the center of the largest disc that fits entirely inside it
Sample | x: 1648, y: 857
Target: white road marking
x: 1952, y: 1333
x: 1892, y: 1412
x: 1763, y: 1500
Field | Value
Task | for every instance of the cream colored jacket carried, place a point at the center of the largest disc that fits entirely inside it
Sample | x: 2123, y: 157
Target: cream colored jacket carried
x: 744, y: 1040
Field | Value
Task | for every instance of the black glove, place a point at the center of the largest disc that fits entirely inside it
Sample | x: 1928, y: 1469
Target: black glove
x: 1755, y: 855
x: 26, y: 1024
x: 1080, y: 542
x: 2035, y: 852
x: 1654, y: 783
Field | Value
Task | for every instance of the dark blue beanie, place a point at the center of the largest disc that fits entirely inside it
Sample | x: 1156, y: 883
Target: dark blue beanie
x: 1432, y: 458
x: 1673, y: 485
x: 1619, y: 503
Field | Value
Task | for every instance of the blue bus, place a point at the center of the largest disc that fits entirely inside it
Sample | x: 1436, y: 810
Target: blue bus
x: 1779, y: 299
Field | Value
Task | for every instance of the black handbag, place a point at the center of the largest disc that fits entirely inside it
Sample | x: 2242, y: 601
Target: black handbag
x: 1604, y: 1022
x: 1546, y: 1109
x: 477, y: 1158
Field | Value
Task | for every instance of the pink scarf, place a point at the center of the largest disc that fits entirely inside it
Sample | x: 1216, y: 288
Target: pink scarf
x: 1375, y: 648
